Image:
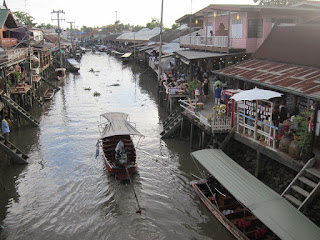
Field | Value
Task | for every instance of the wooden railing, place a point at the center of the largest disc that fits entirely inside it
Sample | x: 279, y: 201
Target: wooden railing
x: 215, y: 123
x: 215, y: 41
x: 249, y: 125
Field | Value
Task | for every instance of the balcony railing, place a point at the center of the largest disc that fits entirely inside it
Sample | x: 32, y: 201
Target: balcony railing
x: 215, y: 41
x: 9, y: 41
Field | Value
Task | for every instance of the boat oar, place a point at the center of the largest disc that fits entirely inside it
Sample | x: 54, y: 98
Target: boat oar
x: 139, y: 210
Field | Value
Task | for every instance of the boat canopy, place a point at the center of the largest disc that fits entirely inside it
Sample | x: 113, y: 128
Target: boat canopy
x: 126, y: 55
x: 60, y: 69
x: 118, y: 125
x: 273, y: 210
x: 72, y: 61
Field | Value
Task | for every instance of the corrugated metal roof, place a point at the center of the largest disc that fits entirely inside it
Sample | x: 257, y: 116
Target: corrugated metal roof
x: 144, y: 34
x: 273, y: 210
x: 3, y: 16
x: 300, y: 80
x: 169, y: 48
x: 192, y: 55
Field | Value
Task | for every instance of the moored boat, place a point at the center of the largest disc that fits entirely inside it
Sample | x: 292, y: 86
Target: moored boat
x: 126, y: 57
x: 244, y: 205
x: 48, y: 95
x: 60, y: 73
x: 119, y: 152
x: 72, y: 65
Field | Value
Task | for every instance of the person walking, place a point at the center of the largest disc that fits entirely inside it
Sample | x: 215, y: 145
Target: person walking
x: 5, y: 129
x: 217, y: 95
x: 205, y: 89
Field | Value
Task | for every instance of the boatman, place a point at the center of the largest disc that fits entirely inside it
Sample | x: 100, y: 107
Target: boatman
x: 5, y: 129
x: 119, y: 148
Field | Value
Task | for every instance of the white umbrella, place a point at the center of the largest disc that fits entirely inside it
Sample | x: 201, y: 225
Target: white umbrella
x: 255, y: 94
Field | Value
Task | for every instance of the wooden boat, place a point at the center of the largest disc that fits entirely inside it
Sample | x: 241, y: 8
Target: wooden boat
x: 73, y: 65
x: 232, y: 214
x: 60, y: 73
x: 119, y: 160
x: 126, y: 57
x: 244, y: 205
x: 48, y: 95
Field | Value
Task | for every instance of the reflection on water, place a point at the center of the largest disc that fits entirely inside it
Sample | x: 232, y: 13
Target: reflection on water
x: 65, y: 193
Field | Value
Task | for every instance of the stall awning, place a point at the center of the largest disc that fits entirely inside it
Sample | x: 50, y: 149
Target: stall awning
x: 274, y: 211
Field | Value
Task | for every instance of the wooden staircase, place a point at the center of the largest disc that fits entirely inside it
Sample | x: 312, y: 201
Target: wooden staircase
x: 16, y: 154
x: 172, y: 123
x: 23, y: 113
x: 304, y: 187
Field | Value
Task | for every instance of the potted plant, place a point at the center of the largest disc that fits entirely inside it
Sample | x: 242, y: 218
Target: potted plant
x: 304, y: 135
x: 192, y: 86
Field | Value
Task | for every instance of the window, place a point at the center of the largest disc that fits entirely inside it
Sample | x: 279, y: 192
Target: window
x: 255, y: 28
x: 236, y: 29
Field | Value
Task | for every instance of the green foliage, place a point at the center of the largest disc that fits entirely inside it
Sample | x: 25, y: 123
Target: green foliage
x: 86, y: 29
x: 24, y: 18
x: 192, y: 85
x: 302, y: 122
x: 154, y: 23
x: 46, y: 26
x: 17, y: 76
x: 277, y: 2
x: 175, y: 26
x: 96, y: 94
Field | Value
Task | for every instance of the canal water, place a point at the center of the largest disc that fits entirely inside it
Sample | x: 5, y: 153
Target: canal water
x: 65, y: 192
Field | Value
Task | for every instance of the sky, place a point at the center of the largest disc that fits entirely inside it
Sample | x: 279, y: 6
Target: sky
x: 92, y: 13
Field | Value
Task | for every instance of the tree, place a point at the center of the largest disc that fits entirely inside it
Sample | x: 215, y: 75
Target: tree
x: 175, y: 26
x: 46, y: 26
x: 154, y: 23
x: 86, y: 29
x: 277, y: 2
x: 24, y: 18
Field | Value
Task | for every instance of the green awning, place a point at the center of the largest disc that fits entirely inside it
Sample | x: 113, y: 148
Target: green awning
x: 267, y: 205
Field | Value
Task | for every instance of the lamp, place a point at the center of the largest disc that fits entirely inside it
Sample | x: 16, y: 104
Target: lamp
x: 238, y: 17
x: 196, y: 21
x: 214, y: 14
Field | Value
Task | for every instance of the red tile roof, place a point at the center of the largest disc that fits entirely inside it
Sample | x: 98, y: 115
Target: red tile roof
x: 299, y: 80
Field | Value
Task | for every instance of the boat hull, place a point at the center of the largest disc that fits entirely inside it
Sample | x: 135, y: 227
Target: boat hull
x: 121, y: 171
x: 48, y: 95
x: 218, y: 214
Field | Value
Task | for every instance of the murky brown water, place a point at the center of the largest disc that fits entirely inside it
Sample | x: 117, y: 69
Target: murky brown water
x: 65, y: 193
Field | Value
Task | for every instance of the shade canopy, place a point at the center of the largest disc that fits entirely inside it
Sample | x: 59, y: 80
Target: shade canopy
x: 118, y: 125
x: 255, y: 94
x: 273, y: 210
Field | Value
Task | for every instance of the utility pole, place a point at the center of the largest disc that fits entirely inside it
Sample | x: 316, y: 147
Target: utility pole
x: 59, y: 31
x: 29, y: 61
x: 160, y: 47
x: 71, y: 30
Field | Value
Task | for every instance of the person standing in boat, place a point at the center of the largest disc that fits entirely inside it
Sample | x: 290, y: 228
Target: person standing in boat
x: 5, y: 129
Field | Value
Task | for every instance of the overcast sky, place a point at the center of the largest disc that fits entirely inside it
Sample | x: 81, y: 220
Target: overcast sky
x: 104, y: 12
